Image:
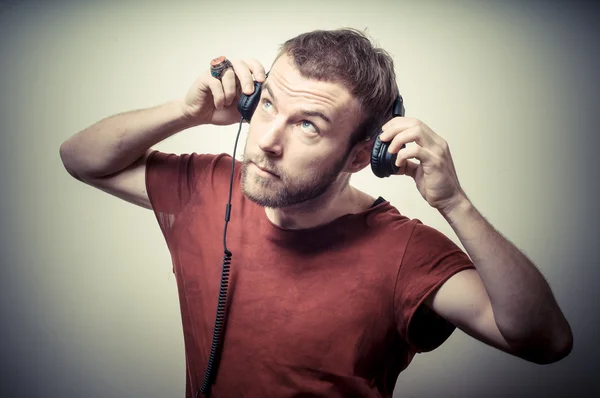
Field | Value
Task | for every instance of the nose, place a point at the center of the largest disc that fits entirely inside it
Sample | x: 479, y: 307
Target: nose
x: 271, y: 141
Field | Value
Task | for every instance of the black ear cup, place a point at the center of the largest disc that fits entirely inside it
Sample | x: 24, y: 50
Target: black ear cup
x: 248, y: 103
x: 383, y: 163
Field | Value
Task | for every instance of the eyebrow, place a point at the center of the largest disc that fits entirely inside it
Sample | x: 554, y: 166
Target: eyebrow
x: 303, y: 112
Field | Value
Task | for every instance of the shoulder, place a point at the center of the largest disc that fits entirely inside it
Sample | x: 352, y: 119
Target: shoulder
x: 387, y: 229
x: 406, y: 237
x: 384, y: 216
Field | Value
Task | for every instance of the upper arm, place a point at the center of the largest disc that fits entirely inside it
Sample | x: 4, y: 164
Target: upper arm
x: 128, y: 184
x: 463, y: 301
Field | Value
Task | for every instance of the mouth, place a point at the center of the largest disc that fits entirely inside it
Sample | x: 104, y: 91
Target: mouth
x: 264, y: 171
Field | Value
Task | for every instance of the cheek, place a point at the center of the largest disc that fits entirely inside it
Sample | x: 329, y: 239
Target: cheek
x: 325, y: 157
x: 252, y: 129
x: 300, y: 164
x: 253, y: 137
x: 257, y: 129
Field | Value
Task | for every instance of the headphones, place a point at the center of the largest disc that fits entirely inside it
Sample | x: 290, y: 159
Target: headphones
x: 382, y: 162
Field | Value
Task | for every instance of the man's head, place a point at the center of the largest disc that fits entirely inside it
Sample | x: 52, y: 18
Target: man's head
x: 348, y: 57
x: 327, y: 92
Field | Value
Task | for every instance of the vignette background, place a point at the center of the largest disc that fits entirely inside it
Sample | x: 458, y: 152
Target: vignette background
x: 88, y: 303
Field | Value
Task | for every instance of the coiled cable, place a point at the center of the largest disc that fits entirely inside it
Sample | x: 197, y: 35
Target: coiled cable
x: 217, y: 341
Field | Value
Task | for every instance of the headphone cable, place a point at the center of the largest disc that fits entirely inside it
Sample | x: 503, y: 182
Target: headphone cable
x: 217, y: 342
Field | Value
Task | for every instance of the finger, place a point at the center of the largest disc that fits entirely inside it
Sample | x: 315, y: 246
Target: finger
x: 395, y: 125
x: 399, y: 125
x: 257, y: 70
x: 216, y: 89
x: 409, y: 168
x: 229, y: 86
x: 413, y: 152
x: 413, y: 134
x: 242, y: 71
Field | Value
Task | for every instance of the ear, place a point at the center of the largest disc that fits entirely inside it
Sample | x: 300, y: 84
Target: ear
x: 359, y: 157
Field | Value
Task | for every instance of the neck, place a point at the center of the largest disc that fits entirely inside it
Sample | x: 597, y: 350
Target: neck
x: 334, y: 203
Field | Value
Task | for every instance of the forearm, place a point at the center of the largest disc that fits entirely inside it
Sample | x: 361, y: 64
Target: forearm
x: 524, y: 307
x: 116, y: 142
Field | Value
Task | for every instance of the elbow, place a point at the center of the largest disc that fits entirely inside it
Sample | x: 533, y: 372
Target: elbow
x: 66, y: 158
x: 63, y: 151
x: 553, y: 351
x: 563, y: 342
x: 552, y: 356
x: 85, y: 162
x: 562, y: 347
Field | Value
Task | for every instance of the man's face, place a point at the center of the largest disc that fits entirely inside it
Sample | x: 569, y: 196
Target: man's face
x: 298, y: 139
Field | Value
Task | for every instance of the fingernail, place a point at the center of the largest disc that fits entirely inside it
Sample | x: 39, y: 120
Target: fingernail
x: 249, y: 88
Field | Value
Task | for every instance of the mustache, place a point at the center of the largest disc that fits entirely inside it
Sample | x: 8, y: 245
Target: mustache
x: 262, y: 162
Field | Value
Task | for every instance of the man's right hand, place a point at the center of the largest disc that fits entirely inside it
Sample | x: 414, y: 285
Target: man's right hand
x: 111, y: 154
x: 214, y: 101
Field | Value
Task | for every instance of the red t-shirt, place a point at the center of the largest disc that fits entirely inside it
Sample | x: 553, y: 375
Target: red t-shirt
x: 323, y: 311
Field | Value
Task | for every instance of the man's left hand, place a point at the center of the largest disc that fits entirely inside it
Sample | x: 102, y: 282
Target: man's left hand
x: 434, y: 175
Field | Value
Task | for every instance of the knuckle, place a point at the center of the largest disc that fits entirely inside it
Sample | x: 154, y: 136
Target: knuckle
x: 255, y: 64
x: 217, y: 90
x: 251, y: 62
x: 240, y: 68
x: 441, y: 149
x: 228, y: 77
x: 396, y: 145
x: 212, y: 83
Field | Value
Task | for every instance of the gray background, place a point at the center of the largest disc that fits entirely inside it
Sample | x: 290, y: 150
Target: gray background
x: 88, y: 302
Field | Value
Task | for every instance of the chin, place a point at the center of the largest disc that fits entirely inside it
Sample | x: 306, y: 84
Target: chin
x: 261, y: 199
x: 252, y: 190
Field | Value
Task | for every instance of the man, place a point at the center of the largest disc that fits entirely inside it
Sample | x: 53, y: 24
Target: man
x: 332, y: 292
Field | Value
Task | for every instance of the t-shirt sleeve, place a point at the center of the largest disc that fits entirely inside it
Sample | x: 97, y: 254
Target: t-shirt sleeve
x: 429, y: 260
x: 171, y: 181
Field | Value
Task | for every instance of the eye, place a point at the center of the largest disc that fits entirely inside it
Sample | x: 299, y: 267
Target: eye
x: 267, y: 105
x: 308, y: 127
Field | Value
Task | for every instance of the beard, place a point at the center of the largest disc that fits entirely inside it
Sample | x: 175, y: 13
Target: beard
x: 285, y: 190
